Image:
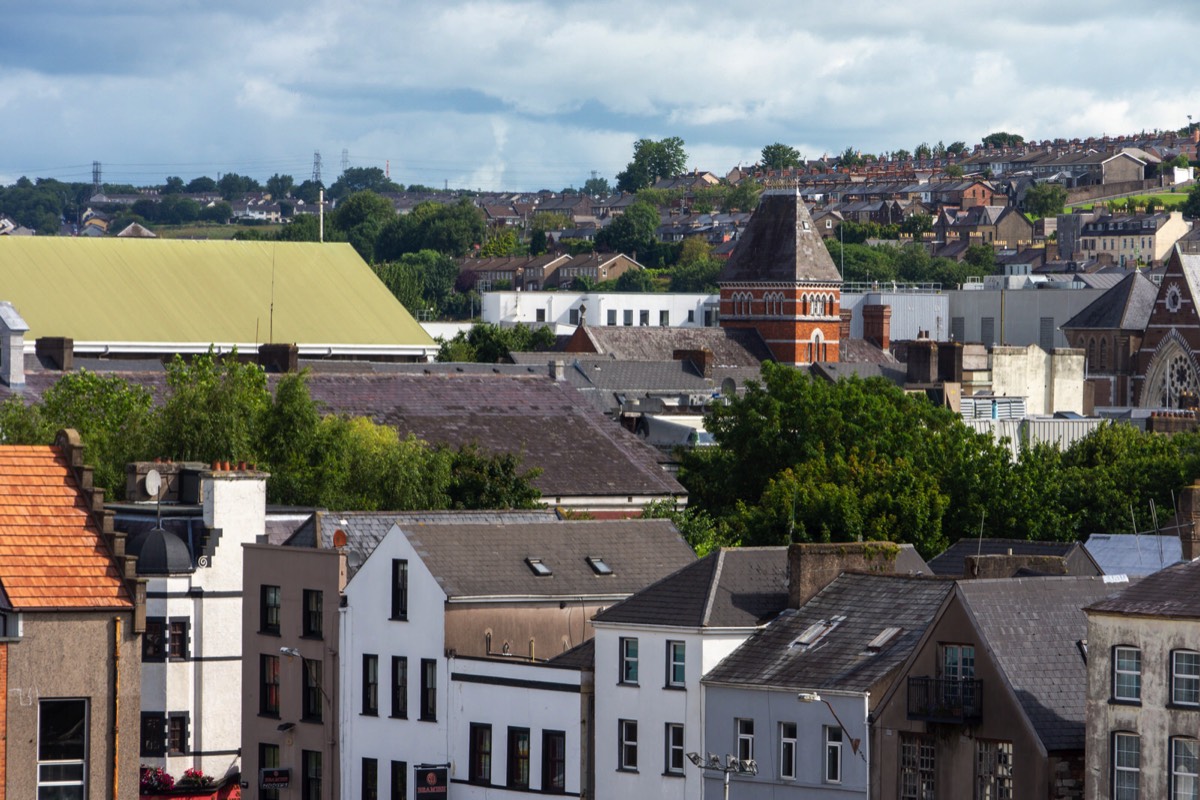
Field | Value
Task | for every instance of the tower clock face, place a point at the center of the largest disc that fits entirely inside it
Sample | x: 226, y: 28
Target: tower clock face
x: 1174, y: 298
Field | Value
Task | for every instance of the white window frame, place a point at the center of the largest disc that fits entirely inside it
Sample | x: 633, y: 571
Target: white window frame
x: 744, y: 726
x: 833, y: 754
x: 1189, y: 679
x: 1126, y: 767
x: 82, y: 763
x: 787, y: 751
x: 674, y: 748
x: 676, y: 657
x: 993, y: 769
x: 629, y: 661
x: 1120, y: 672
x: 1185, y: 778
x: 627, y: 744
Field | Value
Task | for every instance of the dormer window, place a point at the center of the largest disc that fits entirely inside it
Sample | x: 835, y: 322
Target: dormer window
x: 539, y: 567
x: 599, y: 566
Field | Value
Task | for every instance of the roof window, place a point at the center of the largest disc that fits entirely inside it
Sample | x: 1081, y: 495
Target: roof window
x: 539, y: 567
x: 814, y: 633
x: 885, y: 636
x: 599, y: 566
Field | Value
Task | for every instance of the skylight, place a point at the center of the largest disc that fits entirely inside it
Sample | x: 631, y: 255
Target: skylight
x: 885, y: 636
x: 539, y: 567
x: 814, y: 633
x: 599, y: 566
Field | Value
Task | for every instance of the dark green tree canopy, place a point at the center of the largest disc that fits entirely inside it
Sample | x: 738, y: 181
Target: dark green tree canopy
x: 780, y: 156
x: 1045, y: 199
x: 652, y: 160
x: 1003, y: 139
x: 361, y: 179
x: 633, y: 232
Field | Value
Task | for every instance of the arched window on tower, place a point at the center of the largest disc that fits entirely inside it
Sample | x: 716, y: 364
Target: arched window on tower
x: 1103, y: 362
x: 1091, y: 354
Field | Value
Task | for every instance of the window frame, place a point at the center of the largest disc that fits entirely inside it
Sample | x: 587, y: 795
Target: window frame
x: 178, y: 638
x: 673, y: 748
x: 178, y: 733
x: 269, y: 609
x: 918, y: 761
x: 554, y: 762
x: 833, y: 741
x: 643, y: 317
x: 787, y: 751
x: 399, y: 687
x: 370, y: 778
x: 627, y: 674
x: 399, y: 780
x: 399, y: 590
x: 428, y: 690
x: 314, y: 615
x: 153, y: 741
x: 310, y: 774
x: 676, y: 647
x: 744, y: 738
x: 479, y: 750
x: 664, y: 318
x: 1193, y: 678
x: 370, y: 685
x: 1177, y: 775
x: 518, y: 761
x: 154, y: 640
x: 311, y: 690
x: 1118, y: 673
x: 268, y: 690
x: 268, y: 758
x: 1118, y: 769
x: 83, y: 759
x: 627, y: 745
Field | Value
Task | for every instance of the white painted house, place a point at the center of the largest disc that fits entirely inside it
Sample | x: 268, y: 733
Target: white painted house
x: 565, y: 310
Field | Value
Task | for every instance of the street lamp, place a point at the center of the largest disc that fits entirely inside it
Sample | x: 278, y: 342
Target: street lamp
x: 813, y: 697
x: 730, y: 766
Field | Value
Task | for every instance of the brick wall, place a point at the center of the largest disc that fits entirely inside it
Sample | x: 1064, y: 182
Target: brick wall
x: 3, y: 716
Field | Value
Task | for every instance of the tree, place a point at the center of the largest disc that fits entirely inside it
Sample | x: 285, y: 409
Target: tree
x: 478, y: 480
x: 200, y: 185
x: 697, y: 276
x: 901, y: 155
x: 851, y: 158
x: 302, y: 228
x: 633, y: 231
x: 956, y: 148
x: 173, y: 185
x: 212, y: 408
x: 309, y: 192
x: 451, y: 229
x: 982, y: 257
x: 742, y: 197
x: 537, y: 243
x: 490, y: 344
x: 923, y: 152
x: 362, y: 217
x: 219, y: 213
x: 233, y: 185
x: 361, y: 179
x: 954, y: 171
x: 636, y: 280
x: 1003, y: 139
x: 500, y: 243
x: 1045, y: 199
x: 280, y: 186
x: 597, y: 187
x: 652, y: 160
x: 917, y: 224
x: 780, y: 156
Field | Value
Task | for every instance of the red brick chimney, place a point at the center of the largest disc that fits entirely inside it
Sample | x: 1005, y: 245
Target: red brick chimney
x: 877, y: 325
x: 845, y: 316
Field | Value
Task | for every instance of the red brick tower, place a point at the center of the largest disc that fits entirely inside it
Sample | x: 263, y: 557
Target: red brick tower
x: 781, y: 281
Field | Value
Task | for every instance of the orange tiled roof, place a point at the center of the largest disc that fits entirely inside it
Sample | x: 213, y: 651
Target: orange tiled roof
x: 51, y: 553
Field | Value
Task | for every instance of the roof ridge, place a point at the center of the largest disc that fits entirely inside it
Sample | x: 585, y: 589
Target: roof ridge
x: 714, y: 583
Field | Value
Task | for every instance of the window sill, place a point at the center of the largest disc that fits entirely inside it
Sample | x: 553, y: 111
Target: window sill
x: 402, y: 619
x: 269, y: 715
x: 675, y: 687
x: 630, y: 770
x: 397, y: 716
x: 427, y: 719
x: 630, y: 684
x: 312, y: 637
x: 368, y: 713
x: 670, y: 774
x: 312, y: 720
x: 1183, y: 706
x: 269, y: 633
x: 1115, y: 701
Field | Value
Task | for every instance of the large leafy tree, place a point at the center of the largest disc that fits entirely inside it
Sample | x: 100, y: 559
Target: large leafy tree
x: 632, y: 232
x: 652, y: 160
x: 450, y: 229
x: 780, y: 156
x: 1045, y: 199
x: 1003, y: 139
x: 362, y: 179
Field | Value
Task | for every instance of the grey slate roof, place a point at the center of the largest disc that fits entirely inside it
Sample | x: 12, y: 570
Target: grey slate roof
x: 840, y: 659
x: 1032, y: 628
x: 951, y: 562
x: 1172, y: 592
x: 1126, y: 306
x: 581, y: 656
x: 780, y: 244
x: 730, y: 347
x: 736, y: 587
x: 1133, y: 553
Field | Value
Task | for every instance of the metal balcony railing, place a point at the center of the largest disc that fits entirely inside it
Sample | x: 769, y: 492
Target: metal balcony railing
x: 953, y: 701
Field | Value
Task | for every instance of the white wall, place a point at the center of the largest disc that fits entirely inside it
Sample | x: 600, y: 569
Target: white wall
x: 509, y: 308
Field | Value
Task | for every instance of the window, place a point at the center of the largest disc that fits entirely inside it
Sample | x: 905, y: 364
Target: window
x: 1185, y: 769
x: 400, y: 687
x: 958, y: 674
x: 993, y: 770
x: 177, y: 639
x: 833, y: 754
x: 268, y: 758
x: 154, y: 741
x: 916, y: 768
x: 154, y: 646
x: 1127, y: 766
x: 310, y: 779
x: 629, y: 660
x: 627, y: 745
x: 627, y: 316
x: 62, y: 749
x: 518, y: 758
x: 644, y: 317
x: 539, y: 568
x: 599, y: 565
x: 691, y: 315
x: 399, y: 780
x: 1127, y: 674
x: 987, y: 330
x: 1185, y: 678
x: 177, y: 734
x: 428, y: 689
x: 554, y: 761
x: 787, y: 751
x: 268, y: 685
x: 612, y: 316
x: 480, y: 747
x: 745, y: 739
x: 311, y: 700
x: 370, y: 779
x: 399, y: 589
x: 674, y: 757
x: 312, y: 613
x: 676, y: 664
x: 268, y: 621
x: 370, y: 680
x: 573, y: 316
x: 540, y: 315
x: 664, y: 318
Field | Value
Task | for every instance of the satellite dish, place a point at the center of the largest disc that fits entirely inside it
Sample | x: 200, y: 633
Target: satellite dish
x: 153, y: 483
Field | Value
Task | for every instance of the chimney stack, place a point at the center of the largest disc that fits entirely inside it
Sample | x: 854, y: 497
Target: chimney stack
x: 558, y: 370
x: 812, y: 567
x: 877, y: 325
x: 12, y: 346
x: 58, y: 350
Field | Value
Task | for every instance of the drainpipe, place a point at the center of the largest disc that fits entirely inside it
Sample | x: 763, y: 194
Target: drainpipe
x: 116, y: 703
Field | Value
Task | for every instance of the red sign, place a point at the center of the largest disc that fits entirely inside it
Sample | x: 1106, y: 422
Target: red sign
x: 274, y: 778
x: 431, y: 783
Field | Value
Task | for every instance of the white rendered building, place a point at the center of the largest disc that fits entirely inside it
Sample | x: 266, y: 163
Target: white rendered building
x: 565, y: 310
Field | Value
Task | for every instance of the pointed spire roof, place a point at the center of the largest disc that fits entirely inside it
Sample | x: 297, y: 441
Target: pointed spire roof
x: 780, y: 243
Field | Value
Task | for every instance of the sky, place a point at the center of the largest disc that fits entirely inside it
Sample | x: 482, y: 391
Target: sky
x: 521, y: 96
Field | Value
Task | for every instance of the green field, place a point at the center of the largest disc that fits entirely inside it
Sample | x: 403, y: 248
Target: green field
x: 1167, y: 199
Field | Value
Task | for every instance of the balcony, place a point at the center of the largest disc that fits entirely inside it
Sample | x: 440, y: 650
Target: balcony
x: 955, y: 702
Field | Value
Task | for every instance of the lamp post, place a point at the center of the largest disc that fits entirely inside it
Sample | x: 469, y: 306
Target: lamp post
x: 813, y: 697
x: 729, y: 767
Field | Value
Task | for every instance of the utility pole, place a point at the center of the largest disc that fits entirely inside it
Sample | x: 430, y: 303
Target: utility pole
x: 316, y: 173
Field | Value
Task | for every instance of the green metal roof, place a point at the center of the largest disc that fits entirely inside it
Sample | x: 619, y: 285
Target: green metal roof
x: 177, y: 291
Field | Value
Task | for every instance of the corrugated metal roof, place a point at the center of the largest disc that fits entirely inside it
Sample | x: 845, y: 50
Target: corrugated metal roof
x: 161, y: 290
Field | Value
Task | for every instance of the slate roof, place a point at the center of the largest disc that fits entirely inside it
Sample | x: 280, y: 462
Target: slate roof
x: 52, y: 555
x: 951, y: 562
x: 1133, y: 553
x: 581, y: 656
x: 736, y: 587
x: 1172, y: 593
x: 730, y: 347
x: 868, y: 604
x: 780, y: 244
x: 1126, y: 306
x: 1032, y: 628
